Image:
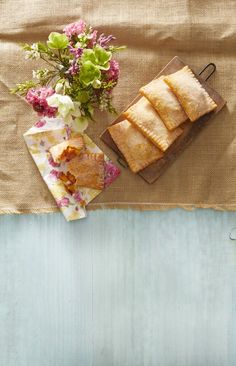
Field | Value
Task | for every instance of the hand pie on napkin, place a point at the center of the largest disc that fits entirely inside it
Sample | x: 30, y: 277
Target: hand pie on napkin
x: 136, y: 148
x: 83, y: 169
x: 193, y: 97
x: 146, y: 119
x: 165, y: 102
x: 68, y: 149
x: 88, y: 170
x: 69, y: 196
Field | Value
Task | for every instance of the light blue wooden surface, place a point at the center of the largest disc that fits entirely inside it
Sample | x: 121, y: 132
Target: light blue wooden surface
x: 120, y: 288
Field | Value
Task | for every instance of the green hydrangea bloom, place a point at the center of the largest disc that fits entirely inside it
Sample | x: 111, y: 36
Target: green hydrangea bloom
x: 102, y: 57
x: 57, y: 41
x: 98, y: 56
x: 88, y: 73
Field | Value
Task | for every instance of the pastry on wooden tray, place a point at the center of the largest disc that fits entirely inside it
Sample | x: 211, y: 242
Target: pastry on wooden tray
x: 88, y: 170
x: 165, y: 102
x: 146, y: 119
x: 138, y: 151
x: 67, y: 150
x: 193, y: 97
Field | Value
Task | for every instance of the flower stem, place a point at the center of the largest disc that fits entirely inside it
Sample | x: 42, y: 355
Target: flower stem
x: 49, y: 63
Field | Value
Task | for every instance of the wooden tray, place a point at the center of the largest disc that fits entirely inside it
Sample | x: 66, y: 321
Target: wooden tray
x: 190, y: 129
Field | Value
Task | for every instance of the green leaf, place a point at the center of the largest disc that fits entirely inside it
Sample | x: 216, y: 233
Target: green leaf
x: 42, y: 47
x: 88, y: 73
x: 82, y: 96
x: 25, y: 46
x: 22, y: 88
x: 57, y: 41
x: 114, y: 49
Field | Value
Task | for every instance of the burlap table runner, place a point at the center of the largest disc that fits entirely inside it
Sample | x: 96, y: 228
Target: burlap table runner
x: 154, y: 31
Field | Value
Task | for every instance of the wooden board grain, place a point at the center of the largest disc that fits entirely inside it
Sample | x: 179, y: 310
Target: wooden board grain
x: 190, y: 130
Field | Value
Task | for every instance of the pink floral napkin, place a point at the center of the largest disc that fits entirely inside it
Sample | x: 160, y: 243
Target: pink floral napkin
x: 43, y: 135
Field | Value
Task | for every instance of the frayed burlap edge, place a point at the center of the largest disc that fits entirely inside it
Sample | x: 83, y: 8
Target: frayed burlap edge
x: 19, y: 211
x: 161, y: 206
x: 127, y: 206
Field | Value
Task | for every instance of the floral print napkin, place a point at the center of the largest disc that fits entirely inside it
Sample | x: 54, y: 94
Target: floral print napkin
x: 43, y: 135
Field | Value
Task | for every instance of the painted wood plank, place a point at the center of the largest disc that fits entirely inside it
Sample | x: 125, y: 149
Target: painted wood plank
x: 120, y: 288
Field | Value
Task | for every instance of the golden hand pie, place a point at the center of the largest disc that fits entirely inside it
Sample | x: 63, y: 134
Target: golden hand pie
x: 88, y: 170
x: 193, y: 97
x: 146, y: 119
x: 136, y: 148
x: 67, y: 150
x: 165, y: 102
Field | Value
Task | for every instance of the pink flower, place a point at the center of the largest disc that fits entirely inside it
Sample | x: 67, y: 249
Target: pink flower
x: 54, y: 174
x: 37, y: 98
x: 74, y: 29
x: 40, y: 123
x: 92, y: 39
x: 63, y: 202
x: 114, y: 71
x: 111, y: 173
x: 77, y: 196
x: 52, y: 162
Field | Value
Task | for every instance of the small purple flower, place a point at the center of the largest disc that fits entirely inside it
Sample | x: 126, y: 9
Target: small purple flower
x: 40, y: 123
x: 54, y: 174
x: 104, y: 40
x: 111, y: 173
x: 74, y: 68
x: 77, y: 52
x: 74, y: 29
x: 63, y: 202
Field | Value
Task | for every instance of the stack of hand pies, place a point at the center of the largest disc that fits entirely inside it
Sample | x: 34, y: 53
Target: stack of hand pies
x: 151, y: 125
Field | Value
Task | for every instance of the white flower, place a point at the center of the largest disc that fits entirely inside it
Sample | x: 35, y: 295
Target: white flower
x: 64, y: 104
x: 77, y: 111
x: 33, y: 53
x: 80, y: 124
x: 68, y: 110
x: 59, y: 87
x: 40, y: 74
x: 96, y: 84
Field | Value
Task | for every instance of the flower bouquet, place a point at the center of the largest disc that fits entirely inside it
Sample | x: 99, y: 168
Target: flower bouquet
x: 79, y: 76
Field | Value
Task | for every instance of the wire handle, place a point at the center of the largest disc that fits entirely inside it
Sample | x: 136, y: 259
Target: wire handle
x: 211, y: 65
x: 122, y: 162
